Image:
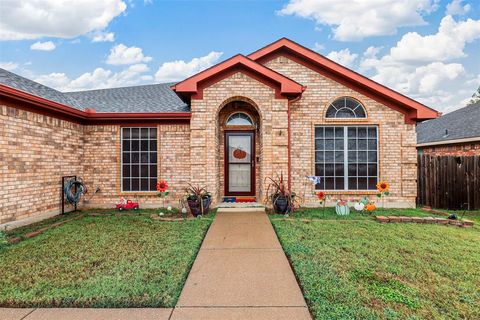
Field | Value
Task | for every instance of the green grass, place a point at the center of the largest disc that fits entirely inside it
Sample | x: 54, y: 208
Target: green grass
x: 368, y: 270
x: 108, y: 261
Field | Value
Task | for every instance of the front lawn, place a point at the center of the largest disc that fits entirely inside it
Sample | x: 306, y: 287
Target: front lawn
x: 367, y: 270
x: 113, y: 260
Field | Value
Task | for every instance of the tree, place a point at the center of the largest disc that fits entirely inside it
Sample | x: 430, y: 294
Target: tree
x: 475, y: 98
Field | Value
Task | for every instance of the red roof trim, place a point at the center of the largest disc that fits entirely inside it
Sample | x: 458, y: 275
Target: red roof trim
x: 284, y: 86
x: 412, y: 109
x: 43, y: 105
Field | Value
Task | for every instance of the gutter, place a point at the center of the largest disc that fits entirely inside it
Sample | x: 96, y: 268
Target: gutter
x: 454, y: 141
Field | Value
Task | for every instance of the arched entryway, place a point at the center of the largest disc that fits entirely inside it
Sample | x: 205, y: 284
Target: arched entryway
x: 239, y: 150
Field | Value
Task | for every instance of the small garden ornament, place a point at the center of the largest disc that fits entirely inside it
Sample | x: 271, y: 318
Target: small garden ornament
x: 383, y: 190
x: 162, y: 188
x: 341, y: 208
x: 322, y: 199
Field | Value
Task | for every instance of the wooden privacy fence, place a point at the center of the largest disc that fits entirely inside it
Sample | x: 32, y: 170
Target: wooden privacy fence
x: 449, y: 182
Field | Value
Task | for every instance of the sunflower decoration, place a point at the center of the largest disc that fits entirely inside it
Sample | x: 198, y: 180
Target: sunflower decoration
x: 383, y: 190
x: 162, y: 188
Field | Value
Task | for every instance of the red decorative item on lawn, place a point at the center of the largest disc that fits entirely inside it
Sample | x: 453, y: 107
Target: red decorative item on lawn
x: 126, y: 204
x: 321, y: 195
x: 162, y: 186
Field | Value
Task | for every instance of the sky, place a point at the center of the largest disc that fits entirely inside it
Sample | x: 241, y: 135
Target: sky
x: 428, y: 50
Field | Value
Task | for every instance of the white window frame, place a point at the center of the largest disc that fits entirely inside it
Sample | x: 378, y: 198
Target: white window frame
x: 345, y: 155
x: 149, y: 177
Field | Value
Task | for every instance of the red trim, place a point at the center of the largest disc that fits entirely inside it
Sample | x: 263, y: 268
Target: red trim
x: 193, y: 86
x: 412, y: 109
x: 45, y: 106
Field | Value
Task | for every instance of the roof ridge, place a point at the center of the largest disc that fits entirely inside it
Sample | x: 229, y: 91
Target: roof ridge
x: 166, y: 84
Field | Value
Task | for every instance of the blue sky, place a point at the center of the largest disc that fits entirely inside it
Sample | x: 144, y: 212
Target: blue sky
x: 426, y: 49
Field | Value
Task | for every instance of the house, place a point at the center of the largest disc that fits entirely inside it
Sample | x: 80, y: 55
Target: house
x: 283, y: 109
x: 454, y: 134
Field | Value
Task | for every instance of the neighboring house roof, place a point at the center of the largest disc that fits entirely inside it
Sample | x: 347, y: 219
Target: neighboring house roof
x: 15, y: 81
x: 155, y: 98
x: 454, y: 127
x: 194, y: 85
x: 146, y: 98
x: 412, y: 109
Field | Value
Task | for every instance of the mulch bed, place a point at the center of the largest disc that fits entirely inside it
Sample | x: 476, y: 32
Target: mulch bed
x: 426, y: 220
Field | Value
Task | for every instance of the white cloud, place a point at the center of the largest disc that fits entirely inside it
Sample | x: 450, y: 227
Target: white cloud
x: 447, y: 43
x: 43, y: 46
x: 103, y: 37
x: 33, y: 19
x: 8, y: 65
x: 121, y: 54
x: 343, y: 57
x: 98, y: 79
x: 355, y: 20
x: 179, y: 69
x: 456, y: 7
x: 422, y: 67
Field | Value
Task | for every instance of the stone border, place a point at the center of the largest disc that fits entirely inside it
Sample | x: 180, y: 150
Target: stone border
x: 426, y: 220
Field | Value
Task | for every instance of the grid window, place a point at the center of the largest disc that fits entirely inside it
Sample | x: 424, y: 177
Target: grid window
x: 346, y: 157
x: 139, y: 159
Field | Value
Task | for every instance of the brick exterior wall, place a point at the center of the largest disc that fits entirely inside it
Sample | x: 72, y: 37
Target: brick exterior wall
x: 460, y: 149
x: 35, y: 152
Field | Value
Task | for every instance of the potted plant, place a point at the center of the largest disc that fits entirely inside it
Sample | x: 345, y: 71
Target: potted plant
x: 198, y: 200
x: 280, y: 196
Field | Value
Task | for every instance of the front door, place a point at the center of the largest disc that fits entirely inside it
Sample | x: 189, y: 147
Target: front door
x: 239, y: 163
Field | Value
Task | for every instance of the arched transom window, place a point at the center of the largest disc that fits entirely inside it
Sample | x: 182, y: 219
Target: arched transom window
x: 346, y: 107
x: 239, y: 119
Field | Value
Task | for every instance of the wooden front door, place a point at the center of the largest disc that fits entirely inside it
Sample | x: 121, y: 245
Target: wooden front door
x: 239, y: 163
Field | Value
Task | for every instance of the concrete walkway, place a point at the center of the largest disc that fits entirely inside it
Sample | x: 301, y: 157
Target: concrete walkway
x: 241, y: 272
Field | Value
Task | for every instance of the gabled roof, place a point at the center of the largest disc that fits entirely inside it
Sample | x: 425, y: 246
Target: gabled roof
x: 146, y: 98
x: 193, y: 86
x: 412, y: 109
x: 461, y: 124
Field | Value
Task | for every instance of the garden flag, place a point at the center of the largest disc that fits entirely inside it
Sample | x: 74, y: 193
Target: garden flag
x: 314, y: 179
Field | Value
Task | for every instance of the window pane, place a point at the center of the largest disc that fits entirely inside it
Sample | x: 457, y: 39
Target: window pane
x: 372, y: 183
x: 352, y: 156
x: 329, y: 183
x: 135, y: 133
x: 153, y: 145
x: 153, y: 157
x: 135, y: 170
x: 319, y: 132
x: 339, y: 156
x: 352, y: 144
x: 329, y: 156
x: 339, y: 170
x: 153, y: 171
x: 329, y: 169
x: 135, y: 156
x: 153, y: 184
x: 329, y: 144
x: 144, y: 133
x: 352, y: 183
x: 331, y: 111
x: 144, y: 184
x: 352, y: 132
x: 126, y: 184
x: 352, y: 169
x: 153, y: 133
x: 319, y: 170
x: 126, y: 157
x: 360, y: 112
x: 345, y: 113
x: 339, y: 183
x: 339, y: 144
x: 319, y: 156
x: 372, y: 132
x: 372, y: 156
x: 329, y: 132
x: 362, y: 132
x: 339, y: 132
x: 362, y: 144
x: 362, y: 170
x: 126, y: 133
x: 362, y: 156
x: 126, y: 170
x: 135, y: 145
x: 135, y: 184
x: 319, y: 144
x: 126, y: 145
x: 372, y: 144
x: 144, y: 145
x: 144, y: 171
x: 144, y: 157
x: 372, y: 170
x: 362, y: 183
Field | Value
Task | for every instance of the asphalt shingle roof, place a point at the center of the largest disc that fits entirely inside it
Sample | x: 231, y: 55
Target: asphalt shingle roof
x: 460, y: 124
x: 145, y: 98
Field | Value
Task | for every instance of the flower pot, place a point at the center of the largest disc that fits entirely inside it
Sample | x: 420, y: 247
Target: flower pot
x: 196, y: 208
x: 280, y: 204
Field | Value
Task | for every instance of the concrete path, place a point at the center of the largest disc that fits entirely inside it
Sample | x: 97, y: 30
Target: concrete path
x: 241, y: 272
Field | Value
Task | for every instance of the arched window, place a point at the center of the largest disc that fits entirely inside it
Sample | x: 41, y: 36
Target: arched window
x: 346, y: 107
x: 239, y: 119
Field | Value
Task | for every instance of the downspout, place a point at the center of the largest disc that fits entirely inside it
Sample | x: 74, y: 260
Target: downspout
x: 289, y: 136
